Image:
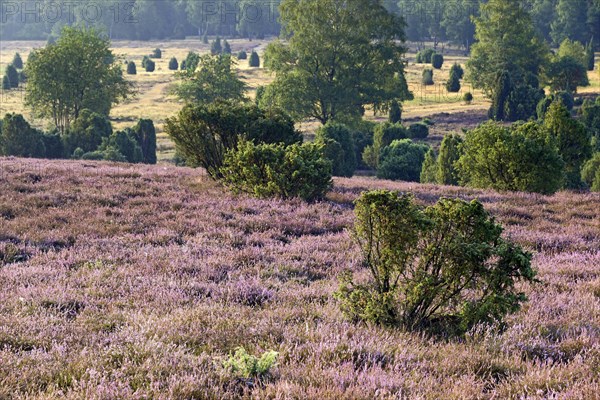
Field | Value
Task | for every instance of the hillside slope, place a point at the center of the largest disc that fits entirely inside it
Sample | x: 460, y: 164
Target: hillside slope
x: 122, y: 281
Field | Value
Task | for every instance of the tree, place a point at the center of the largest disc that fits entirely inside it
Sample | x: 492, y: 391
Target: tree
x: 573, y: 141
x: 569, y: 21
x: 429, y: 168
x: 521, y: 158
x: 507, y: 43
x: 18, y: 138
x: 145, y: 135
x: 573, y: 49
x: 86, y: 132
x: 590, y: 56
x: 444, y: 268
x: 338, y: 147
x: 383, y: 135
x: 332, y: 66
x: 78, y: 72
x: 173, y: 64
x: 395, y: 114
x: 458, y: 22
x: 450, y: 151
x: 453, y: 83
x: 214, y: 78
x: 13, y: 76
x: 17, y: 61
x: 402, y: 160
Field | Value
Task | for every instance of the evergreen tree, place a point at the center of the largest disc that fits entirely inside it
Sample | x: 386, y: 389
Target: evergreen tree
x: 254, y: 60
x: 131, y: 68
x: 395, y: 115
x: 446, y: 174
x: 13, y: 76
x: 173, y: 64
x: 216, y: 47
x: 429, y: 169
x: 17, y: 61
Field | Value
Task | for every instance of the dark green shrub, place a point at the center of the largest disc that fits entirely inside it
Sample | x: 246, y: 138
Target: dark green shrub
x: 150, y: 66
x: 22, y: 77
x: 522, y: 102
x: 589, y: 172
x: 145, y: 136
x: 402, y: 160
x: 86, y: 132
x: 444, y: 268
x: 450, y: 152
x: 362, y: 136
x: 453, y: 84
x: 276, y: 170
x: 191, y: 61
x: 13, y: 76
x: 53, y: 145
x: 338, y: 147
x: 521, y: 158
x: 242, y: 55
x: 427, y: 78
x: 383, y: 135
x: 131, y: 68
x: 203, y: 133
x: 5, y: 83
x: 182, y: 66
x: 156, y: 53
x: 19, y: 139
x: 502, y: 89
x: 573, y: 139
x: 216, y: 47
x: 590, y: 56
x: 565, y: 97
x: 590, y: 117
x: 437, y: 60
x: 419, y: 130
x: 395, y: 115
x: 468, y: 97
x: 78, y: 153
x: 424, y: 56
x: 254, y: 60
x: 226, y: 48
x: 145, y: 59
x: 18, y: 61
x: 566, y: 74
x: 429, y: 168
x: 457, y: 70
x: 173, y: 64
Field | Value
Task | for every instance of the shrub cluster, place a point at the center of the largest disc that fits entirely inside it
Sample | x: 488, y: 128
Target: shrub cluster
x: 444, y: 268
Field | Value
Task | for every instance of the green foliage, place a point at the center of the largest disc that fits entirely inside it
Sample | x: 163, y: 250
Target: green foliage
x: 17, y: 61
x: 501, y: 91
x: 383, y: 135
x: 86, y: 132
x: 19, y: 139
x: 522, y: 102
x: 5, y: 83
x: 320, y: 67
x: 125, y: 143
x: 338, y: 147
x: 565, y: 74
x: 425, y: 56
x: 590, y: 117
x: 418, y: 130
x: 590, y: 55
x: 78, y: 72
x: 468, y: 97
x: 589, y: 172
x: 521, y: 158
x: 565, y: 97
x: 242, y: 55
x: 437, y: 60
x: 395, y: 114
x: 457, y: 70
x: 145, y: 59
x: 574, y: 50
x: 145, y: 136
x: 402, y: 160
x: 573, y: 141
x: 429, y: 168
x: 444, y: 268
x: 254, y: 60
x: 182, y: 66
x: 156, y: 53
x: 150, y: 66
x: 54, y: 145
x: 203, y: 133
x: 453, y: 83
x: 13, y: 76
x: 276, y: 170
x: 427, y: 78
x: 216, y: 47
x: 214, y: 78
x: 173, y: 64
x: 362, y: 136
x: 226, y: 48
x: 244, y: 365
x: 191, y: 62
x: 131, y: 68
x: 450, y: 152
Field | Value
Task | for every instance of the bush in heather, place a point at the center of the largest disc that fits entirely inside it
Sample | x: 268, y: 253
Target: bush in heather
x: 453, y: 83
x: 450, y: 151
x: 254, y: 60
x: 457, y: 70
x: 131, y: 68
x: 276, y: 170
x: 125, y: 143
x: 402, y: 160
x: 173, y: 64
x: 150, y: 66
x: 242, y: 55
x: 383, y: 135
x: 241, y: 364
x: 18, y: 138
x: 54, y: 145
x: 145, y: 59
x: 156, y: 53
x: 86, y: 132
x: 429, y: 168
x: 418, y: 130
x: 521, y: 158
x: 437, y: 60
x: 17, y: 61
x: 444, y: 268
x: 427, y: 78
x: 424, y: 56
x: 145, y: 136
x: 338, y: 147
x: 395, y: 114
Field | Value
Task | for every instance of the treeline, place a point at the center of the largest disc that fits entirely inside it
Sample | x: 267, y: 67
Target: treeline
x: 437, y: 21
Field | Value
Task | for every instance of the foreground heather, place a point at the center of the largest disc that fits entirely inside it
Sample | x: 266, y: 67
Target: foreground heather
x: 134, y: 281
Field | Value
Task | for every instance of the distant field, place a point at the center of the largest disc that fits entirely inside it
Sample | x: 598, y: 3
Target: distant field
x: 153, y: 100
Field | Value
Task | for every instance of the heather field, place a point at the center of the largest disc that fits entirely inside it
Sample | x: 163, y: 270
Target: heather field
x: 125, y: 281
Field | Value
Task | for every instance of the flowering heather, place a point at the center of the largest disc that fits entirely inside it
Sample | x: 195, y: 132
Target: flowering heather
x: 134, y: 282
